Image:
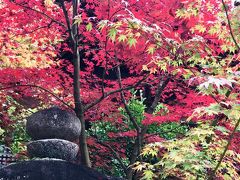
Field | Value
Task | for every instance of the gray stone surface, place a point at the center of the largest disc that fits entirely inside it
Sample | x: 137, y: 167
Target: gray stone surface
x: 53, y: 123
x: 50, y: 170
x: 53, y: 148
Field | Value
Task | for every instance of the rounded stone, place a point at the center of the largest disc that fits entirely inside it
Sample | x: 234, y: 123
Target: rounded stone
x: 53, y: 148
x: 53, y: 123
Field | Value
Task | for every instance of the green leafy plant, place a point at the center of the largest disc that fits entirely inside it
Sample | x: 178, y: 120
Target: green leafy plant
x: 188, y: 158
x: 169, y: 130
x: 16, y: 131
x: 161, y: 109
x: 137, y: 108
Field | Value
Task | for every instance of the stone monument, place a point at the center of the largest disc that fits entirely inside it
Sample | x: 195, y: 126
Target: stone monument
x: 53, y: 132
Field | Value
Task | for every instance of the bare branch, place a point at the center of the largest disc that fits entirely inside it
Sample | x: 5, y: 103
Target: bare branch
x: 131, y: 117
x: 42, y: 13
x: 88, y: 106
x: 225, y: 150
x: 115, y: 154
x: 163, y: 132
x: 65, y: 12
x: 30, y: 32
x: 230, y: 26
x: 161, y: 86
x: 39, y: 87
x: 137, y: 146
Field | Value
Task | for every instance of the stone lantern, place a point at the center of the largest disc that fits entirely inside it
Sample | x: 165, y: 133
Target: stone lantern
x: 53, y: 132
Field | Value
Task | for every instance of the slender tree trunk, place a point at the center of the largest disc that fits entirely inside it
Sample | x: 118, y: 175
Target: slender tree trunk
x: 85, y: 160
x: 84, y: 153
x: 140, y: 138
x: 136, y: 152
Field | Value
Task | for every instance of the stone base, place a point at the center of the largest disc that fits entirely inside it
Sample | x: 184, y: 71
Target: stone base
x: 47, y: 169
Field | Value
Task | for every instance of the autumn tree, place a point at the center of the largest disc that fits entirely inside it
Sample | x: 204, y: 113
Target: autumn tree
x: 146, y: 57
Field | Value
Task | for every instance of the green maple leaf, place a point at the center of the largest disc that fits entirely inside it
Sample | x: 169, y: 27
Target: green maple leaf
x: 148, y: 174
x: 89, y: 26
x: 112, y: 34
x: 122, y: 38
x: 151, y: 49
x: 132, y: 42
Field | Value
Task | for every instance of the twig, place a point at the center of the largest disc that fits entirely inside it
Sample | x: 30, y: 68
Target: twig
x: 225, y: 150
x: 65, y: 12
x: 39, y: 87
x: 106, y: 94
x: 229, y: 24
x: 119, y: 76
x: 163, y: 132
x: 30, y: 32
x: 116, y: 155
x: 47, y: 16
x: 160, y: 88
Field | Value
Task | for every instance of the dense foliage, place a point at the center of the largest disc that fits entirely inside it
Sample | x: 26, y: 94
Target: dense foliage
x: 155, y: 84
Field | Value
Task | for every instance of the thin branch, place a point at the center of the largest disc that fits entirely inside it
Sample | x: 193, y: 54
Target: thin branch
x: 163, y: 132
x: 131, y: 117
x: 160, y: 88
x: 42, y: 13
x: 65, y: 12
x: 105, y: 68
x: 39, y: 87
x: 30, y: 32
x: 116, y: 155
x: 225, y: 150
x: 215, y: 99
x: 137, y: 146
x: 88, y: 106
x: 230, y: 26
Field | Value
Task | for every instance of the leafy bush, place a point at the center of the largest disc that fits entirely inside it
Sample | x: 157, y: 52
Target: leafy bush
x: 188, y: 158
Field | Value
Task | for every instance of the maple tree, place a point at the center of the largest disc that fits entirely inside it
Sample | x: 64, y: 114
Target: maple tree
x: 100, y: 50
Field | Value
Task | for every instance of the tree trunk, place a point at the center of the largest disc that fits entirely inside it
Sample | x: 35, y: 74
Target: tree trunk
x: 84, y: 153
x: 85, y: 160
